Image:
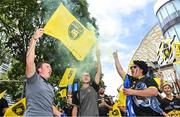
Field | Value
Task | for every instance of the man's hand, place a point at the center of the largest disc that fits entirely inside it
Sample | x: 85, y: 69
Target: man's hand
x: 118, y: 65
x: 103, y: 103
x: 115, y: 54
x: 39, y: 32
x: 128, y: 91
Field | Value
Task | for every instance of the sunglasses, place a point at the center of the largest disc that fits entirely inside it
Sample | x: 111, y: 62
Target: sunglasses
x: 133, y: 67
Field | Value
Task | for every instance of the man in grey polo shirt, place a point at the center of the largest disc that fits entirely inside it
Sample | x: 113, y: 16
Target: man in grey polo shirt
x: 39, y: 92
x: 86, y: 100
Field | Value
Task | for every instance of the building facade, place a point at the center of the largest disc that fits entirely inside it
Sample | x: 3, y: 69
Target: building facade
x: 168, y: 15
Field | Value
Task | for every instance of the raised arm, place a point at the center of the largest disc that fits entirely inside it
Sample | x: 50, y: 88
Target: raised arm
x: 30, y: 56
x: 118, y: 65
x: 98, y: 71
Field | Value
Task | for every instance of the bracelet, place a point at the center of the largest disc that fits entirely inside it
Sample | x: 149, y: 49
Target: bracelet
x: 34, y: 38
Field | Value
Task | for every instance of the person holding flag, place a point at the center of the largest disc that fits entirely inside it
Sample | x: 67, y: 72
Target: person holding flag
x: 39, y: 92
x: 140, y: 90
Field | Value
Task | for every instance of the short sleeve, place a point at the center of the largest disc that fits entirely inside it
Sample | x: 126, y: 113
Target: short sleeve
x: 95, y: 86
x: 150, y: 82
x: 129, y: 81
x: 33, y: 78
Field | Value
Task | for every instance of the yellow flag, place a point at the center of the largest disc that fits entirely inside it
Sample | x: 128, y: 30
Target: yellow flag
x: 121, y: 98
x: 65, y: 27
x: 2, y: 94
x: 16, y: 110
x: 68, y: 77
x: 158, y: 81
x: 63, y: 93
x: 177, y: 44
x: 115, y: 112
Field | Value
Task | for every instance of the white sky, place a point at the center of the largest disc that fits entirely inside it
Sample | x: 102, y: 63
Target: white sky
x: 116, y: 26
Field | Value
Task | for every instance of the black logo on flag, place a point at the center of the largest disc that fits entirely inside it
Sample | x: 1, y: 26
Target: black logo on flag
x: 75, y: 30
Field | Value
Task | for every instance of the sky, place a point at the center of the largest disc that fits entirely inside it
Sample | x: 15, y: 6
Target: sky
x: 122, y: 26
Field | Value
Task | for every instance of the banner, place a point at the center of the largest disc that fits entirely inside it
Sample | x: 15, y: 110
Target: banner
x: 16, y: 110
x: 68, y: 77
x: 115, y: 111
x: 2, y: 94
x: 65, y: 27
x: 63, y: 92
x: 167, y: 51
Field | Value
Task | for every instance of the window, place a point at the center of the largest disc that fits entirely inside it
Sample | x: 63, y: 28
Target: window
x: 172, y: 32
x: 176, y: 4
x: 159, y: 17
x: 166, y: 34
x: 177, y: 27
x: 164, y: 13
x: 170, y: 8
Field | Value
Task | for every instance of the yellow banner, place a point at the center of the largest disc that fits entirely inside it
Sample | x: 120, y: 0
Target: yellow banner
x: 68, y: 77
x: 121, y: 98
x: 2, y: 94
x: 16, y: 110
x: 63, y: 93
x: 115, y: 112
x: 65, y: 27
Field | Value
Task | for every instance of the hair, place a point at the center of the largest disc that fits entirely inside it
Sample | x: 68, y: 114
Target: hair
x: 167, y: 84
x: 40, y: 65
x: 142, y: 65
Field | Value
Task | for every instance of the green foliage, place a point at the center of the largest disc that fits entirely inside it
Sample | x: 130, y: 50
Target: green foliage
x: 18, y: 21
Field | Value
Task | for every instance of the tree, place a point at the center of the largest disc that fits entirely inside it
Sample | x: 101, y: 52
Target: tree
x: 19, y: 19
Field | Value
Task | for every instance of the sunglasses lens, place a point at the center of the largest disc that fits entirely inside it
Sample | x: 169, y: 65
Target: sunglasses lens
x: 133, y: 67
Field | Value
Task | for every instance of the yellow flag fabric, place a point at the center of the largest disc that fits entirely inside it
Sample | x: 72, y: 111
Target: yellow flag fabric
x: 177, y: 44
x: 65, y: 27
x: 158, y: 81
x: 168, y: 51
x: 16, y: 110
x: 68, y: 77
x: 115, y: 112
x: 177, y: 62
x: 174, y: 113
x: 121, y: 98
x: 63, y: 93
x: 2, y: 94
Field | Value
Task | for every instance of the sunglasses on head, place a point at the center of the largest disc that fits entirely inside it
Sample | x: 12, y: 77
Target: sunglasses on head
x: 133, y: 67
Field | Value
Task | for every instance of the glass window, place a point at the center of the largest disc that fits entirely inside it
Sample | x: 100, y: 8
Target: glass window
x: 170, y: 8
x: 177, y: 67
x: 159, y: 17
x: 172, y: 32
x: 176, y: 4
x: 166, y: 34
x: 177, y: 27
x: 164, y: 13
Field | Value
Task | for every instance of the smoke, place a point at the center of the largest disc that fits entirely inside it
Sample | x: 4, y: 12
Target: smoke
x: 68, y: 60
